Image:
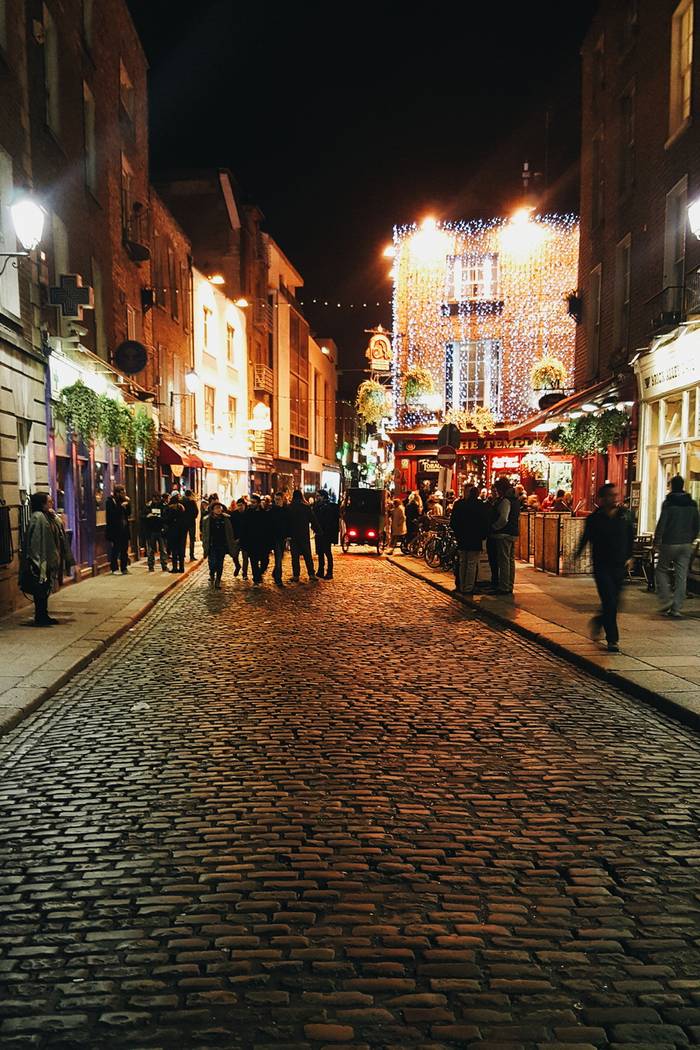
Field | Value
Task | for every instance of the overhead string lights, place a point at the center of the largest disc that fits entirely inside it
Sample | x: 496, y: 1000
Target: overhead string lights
x: 477, y: 304
x: 369, y: 304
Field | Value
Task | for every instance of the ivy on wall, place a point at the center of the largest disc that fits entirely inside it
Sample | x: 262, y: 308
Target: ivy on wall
x: 89, y: 416
x: 590, y: 433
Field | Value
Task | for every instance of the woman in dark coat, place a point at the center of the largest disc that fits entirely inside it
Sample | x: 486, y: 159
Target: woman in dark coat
x: 176, y: 532
x: 470, y: 524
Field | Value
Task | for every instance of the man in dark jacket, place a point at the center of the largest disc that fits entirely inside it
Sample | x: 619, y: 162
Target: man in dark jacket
x: 191, y: 514
x: 301, y: 518
x: 152, y: 525
x: 176, y: 532
x: 279, y: 520
x: 118, y: 518
x: 610, y: 533
x: 470, y: 523
x: 257, y: 537
x: 329, y: 525
x: 676, y: 532
x: 504, y: 530
x: 217, y: 541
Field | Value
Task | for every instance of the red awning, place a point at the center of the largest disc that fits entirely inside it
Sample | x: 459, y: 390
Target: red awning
x: 170, y: 453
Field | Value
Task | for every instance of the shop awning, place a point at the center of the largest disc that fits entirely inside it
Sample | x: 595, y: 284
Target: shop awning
x: 603, y: 394
x: 220, y: 461
x: 170, y: 453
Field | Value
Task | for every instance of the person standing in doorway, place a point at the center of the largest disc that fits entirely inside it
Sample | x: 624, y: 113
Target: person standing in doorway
x: 176, y: 532
x: 329, y: 526
x: 191, y: 514
x: 676, y: 531
x: 610, y: 533
x: 301, y: 519
x: 118, y: 515
x: 470, y: 524
x: 504, y: 530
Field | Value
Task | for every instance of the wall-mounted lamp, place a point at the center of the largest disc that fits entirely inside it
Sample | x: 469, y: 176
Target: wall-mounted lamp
x: 694, y: 217
x: 191, y: 381
x: 242, y: 302
x: 216, y: 278
x: 28, y: 220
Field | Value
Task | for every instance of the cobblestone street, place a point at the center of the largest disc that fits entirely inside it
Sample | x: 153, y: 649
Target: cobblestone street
x: 351, y: 815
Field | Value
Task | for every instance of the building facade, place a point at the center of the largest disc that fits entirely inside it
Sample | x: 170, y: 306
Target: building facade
x: 322, y: 469
x: 477, y: 306
x: 221, y: 396
x: 639, y: 259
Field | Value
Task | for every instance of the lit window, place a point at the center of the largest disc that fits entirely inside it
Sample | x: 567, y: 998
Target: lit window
x: 25, y: 465
x: 232, y: 414
x: 472, y: 278
x: 209, y: 402
x: 681, y: 66
x: 472, y: 375
x: 126, y: 92
x: 230, y: 344
x: 206, y: 315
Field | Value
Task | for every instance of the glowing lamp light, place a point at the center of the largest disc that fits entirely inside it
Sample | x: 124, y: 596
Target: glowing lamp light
x: 28, y: 221
x: 389, y: 252
x: 191, y: 381
x: 326, y: 351
x: 261, y: 417
x: 522, y: 236
x: 544, y: 428
x: 242, y: 302
x: 694, y: 217
x: 589, y: 407
x: 216, y: 278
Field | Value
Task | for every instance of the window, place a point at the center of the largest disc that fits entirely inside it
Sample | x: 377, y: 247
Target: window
x: 99, y: 311
x: 209, y: 402
x: 3, y: 25
x: 130, y: 322
x: 25, y: 464
x: 185, y: 284
x: 159, y: 270
x: 206, y: 317
x: 621, y: 324
x: 472, y: 277
x: 598, y: 73
x: 232, y: 415
x: 9, y: 284
x: 127, y: 180
x: 90, y: 141
x: 174, y: 289
x: 472, y: 376
x: 674, y: 236
x: 230, y: 344
x: 595, y: 288
x: 51, y: 73
x: 88, y: 22
x: 126, y: 92
x: 630, y: 24
x: 298, y: 382
x: 597, y: 186
x: 626, y: 159
x: 681, y: 67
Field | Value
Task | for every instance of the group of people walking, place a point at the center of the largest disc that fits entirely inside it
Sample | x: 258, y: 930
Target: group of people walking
x: 257, y: 528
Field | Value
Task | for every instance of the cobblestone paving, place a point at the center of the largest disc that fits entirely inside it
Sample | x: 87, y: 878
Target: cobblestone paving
x: 351, y: 817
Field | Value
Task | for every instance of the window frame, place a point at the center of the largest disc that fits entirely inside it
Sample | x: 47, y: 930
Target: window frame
x: 595, y: 280
x: 623, y: 286
x: 680, y: 101
x: 90, y: 139
x: 209, y: 393
x: 230, y: 344
x: 675, y: 222
x: 52, y: 73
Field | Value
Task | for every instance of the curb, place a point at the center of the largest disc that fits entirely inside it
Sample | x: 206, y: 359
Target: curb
x: 100, y: 647
x: 668, y: 707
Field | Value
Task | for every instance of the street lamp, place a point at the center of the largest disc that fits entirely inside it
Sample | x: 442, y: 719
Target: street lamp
x: 28, y: 221
x: 191, y: 381
x: 694, y: 217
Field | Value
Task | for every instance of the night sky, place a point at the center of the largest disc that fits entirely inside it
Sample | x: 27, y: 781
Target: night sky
x: 341, y: 120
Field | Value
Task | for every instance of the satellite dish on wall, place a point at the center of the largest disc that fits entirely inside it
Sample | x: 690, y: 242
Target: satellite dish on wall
x: 131, y: 357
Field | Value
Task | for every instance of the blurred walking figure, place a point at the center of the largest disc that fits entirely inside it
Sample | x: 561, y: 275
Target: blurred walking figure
x: 279, y: 519
x: 118, y: 520
x: 328, y: 517
x: 191, y: 514
x: 45, y: 556
x: 153, y: 524
x: 398, y: 524
x: 610, y: 533
x: 675, y: 534
x: 470, y: 524
x: 217, y: 541
x: 237, y: 511
x: 301, y: 519
x: 176, y: 532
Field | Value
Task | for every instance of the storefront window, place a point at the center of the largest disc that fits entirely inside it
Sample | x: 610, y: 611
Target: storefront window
x: 62, y: 468
x: 100, y: 475
x: 693, y: 424
x: 693, y: 482
x: 673, y: 418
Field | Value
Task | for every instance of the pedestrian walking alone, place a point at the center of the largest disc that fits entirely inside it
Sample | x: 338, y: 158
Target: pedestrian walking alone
x: 504, y: 531
x: 217, y: 541
x: 176, y: 532
x: 301, y: 519
x: 46, y: 556
x: 676, y: 532
x: 328, y: 518
x: 610, y: 533
x: 152, y: 526
x: 118, y: 520
x: 470, y: 524
x: 191, y: 514
x: 397, y: 522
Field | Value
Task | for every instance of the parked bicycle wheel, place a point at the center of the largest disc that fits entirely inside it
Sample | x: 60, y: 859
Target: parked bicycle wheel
x: 433, y: 553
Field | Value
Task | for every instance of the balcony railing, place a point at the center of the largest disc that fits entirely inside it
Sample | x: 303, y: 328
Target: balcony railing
x: 665, y: 311
x: 262, y: 314
x: 263, y: 379
x: 692, y: 293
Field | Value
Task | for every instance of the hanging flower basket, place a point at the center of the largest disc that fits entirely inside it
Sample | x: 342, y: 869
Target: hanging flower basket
x: 549, y: 373
x: 419, y: 383
x: 483, y: 420
x: 371, y: 402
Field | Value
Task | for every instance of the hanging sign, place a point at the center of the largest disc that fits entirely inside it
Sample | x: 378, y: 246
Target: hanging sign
x: 379, y: 353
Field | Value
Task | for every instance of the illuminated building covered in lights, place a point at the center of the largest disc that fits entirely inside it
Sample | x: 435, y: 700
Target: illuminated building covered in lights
x: 476, y: 306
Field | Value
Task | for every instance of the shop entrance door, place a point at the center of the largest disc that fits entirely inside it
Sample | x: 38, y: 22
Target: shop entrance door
x: 669, y: 466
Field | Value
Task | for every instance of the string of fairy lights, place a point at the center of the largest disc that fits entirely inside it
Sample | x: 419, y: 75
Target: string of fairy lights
x: 477, y: 304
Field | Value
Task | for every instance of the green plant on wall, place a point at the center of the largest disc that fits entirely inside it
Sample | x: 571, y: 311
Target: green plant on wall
x: 419, y: 382
x: 589, y: 433
x: 78, y: 407
x: 145, y: 434
x: 116, y: 423
x: 371, y: 401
